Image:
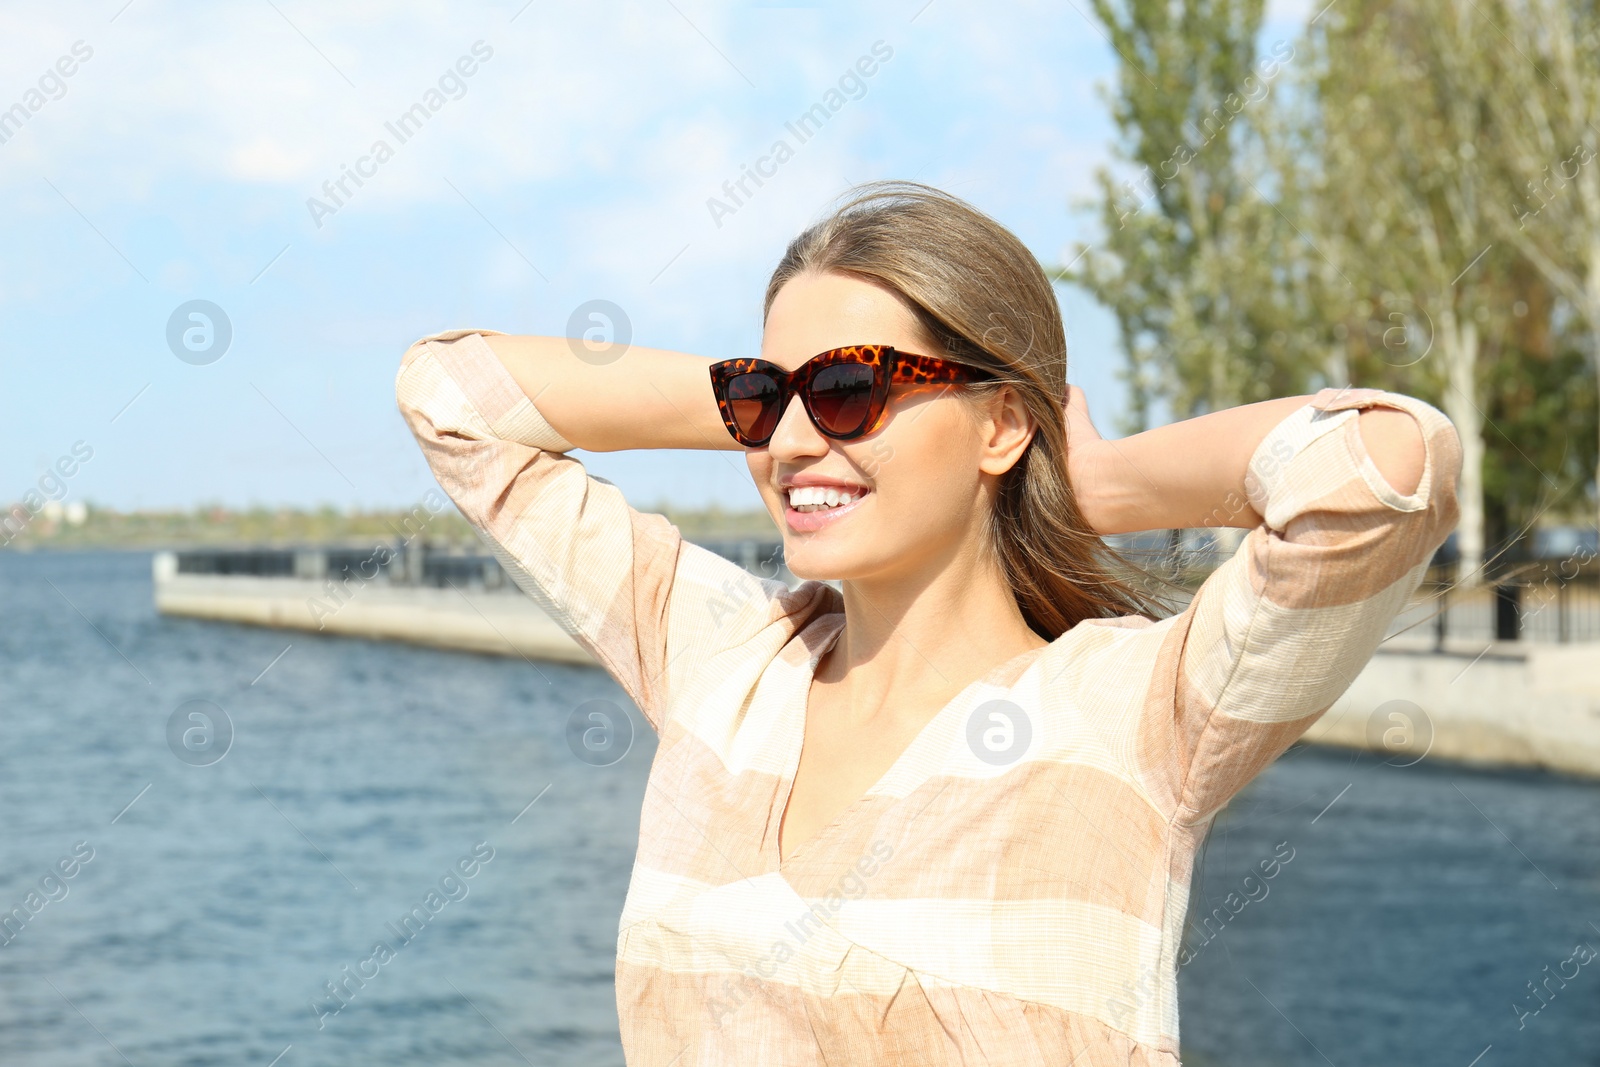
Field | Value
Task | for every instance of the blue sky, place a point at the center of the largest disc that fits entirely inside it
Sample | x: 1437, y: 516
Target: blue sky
x: 574, y: 163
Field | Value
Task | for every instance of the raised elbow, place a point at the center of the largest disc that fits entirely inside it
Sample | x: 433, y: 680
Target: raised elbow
x: 409, y: 387
x: 1395, y: 444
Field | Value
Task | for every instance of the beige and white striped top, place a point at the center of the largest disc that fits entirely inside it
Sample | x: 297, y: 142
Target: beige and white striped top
x: 1013, y: 890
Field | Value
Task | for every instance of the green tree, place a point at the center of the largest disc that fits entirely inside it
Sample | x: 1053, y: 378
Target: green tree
x: 1403, y: 120
x: 1187, y: 262
x: 1355, y: 223
x: 1545, y: 64
x: 1541, y: 448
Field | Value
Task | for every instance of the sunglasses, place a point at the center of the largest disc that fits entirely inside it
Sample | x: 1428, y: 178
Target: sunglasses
x: 845, y: 390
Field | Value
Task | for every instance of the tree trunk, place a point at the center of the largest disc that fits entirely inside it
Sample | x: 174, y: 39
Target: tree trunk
x: 1592, y: 313
x: 1459, y: 341
x: 1337, y: 366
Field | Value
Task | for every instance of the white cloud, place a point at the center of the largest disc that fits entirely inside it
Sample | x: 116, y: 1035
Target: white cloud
x: 268, y: 159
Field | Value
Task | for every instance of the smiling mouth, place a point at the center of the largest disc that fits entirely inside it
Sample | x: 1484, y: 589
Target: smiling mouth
x: 813, y: 498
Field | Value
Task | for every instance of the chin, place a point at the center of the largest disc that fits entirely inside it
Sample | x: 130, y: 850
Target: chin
x: 834, y: 563
x: 806, y: 569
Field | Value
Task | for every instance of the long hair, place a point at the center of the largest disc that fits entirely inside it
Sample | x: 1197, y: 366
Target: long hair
x: 983, y: 298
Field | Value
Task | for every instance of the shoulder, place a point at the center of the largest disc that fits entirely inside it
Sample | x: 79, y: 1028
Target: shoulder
x: 1101, y: 658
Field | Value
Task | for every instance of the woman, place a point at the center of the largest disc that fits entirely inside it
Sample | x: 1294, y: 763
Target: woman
x: 948, y: 813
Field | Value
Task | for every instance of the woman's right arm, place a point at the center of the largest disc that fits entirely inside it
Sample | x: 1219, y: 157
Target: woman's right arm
x: 652, y: 608
x: 644, y: 398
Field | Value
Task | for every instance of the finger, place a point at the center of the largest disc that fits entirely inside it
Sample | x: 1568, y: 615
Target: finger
x: 1077, y: 413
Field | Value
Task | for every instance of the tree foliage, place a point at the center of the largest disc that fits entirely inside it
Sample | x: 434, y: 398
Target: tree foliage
x: 1407, y: 197
x: 1205, y: 311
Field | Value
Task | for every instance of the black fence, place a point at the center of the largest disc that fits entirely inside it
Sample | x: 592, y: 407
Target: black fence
x: 1535, y: 602
x: 1542, y: 589
x: 426, y: 565
x: 251, y: 562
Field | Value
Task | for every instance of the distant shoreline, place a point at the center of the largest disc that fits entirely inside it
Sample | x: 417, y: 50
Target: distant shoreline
x: 280, y: 527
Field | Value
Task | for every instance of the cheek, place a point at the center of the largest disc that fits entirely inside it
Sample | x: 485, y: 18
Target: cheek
x: 927, y: 460
x: 759, y: 462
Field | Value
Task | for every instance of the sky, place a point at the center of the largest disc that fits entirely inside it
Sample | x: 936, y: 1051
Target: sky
x: 191, y: 154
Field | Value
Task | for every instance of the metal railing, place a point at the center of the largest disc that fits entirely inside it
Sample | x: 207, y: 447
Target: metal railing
x: 1545, y: 590
x: 423, y: 564
x: 1525, y: 605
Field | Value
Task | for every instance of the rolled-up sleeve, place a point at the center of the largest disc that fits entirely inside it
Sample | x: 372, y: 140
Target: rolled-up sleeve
x: 1276, y: 634
x: 623, y: 583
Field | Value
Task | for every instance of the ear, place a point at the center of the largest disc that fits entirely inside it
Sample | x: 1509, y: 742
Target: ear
x: 1004, y: 431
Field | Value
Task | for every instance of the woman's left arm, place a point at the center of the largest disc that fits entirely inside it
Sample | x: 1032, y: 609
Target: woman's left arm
x: 1194, y: 473
x: 1346, y: 493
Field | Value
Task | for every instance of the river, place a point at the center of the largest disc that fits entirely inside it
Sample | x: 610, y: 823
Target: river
x: 210, y: 901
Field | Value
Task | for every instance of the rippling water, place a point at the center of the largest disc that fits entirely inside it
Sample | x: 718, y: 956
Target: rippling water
x: 1405, y: 926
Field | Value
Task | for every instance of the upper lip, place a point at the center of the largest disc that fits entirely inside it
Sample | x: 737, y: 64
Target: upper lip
x: 799, y: 480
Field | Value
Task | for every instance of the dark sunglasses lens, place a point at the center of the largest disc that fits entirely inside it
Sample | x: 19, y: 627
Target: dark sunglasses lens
x: 841, y: 397
x: 753, y: 399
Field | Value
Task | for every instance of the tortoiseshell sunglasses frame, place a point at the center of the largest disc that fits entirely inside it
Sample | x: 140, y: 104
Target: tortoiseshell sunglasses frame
x: 890, y: 366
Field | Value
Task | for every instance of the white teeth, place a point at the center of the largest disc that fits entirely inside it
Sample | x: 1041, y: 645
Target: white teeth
x: 817, y: 497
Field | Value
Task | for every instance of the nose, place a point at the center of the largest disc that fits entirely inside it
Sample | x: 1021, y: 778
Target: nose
x: 796, y: 435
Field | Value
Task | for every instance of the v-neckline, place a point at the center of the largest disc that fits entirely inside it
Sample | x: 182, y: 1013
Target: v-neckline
x: 798, y: 740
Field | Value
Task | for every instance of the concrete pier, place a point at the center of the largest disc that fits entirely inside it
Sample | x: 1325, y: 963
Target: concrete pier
x: 497, y: 622
x: 1499, y: 703
x: 401, y: 592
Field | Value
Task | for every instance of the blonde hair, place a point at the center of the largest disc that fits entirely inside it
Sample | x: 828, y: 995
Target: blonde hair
x: 983, y: 298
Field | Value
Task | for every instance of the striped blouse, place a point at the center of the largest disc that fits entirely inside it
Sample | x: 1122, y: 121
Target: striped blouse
x: 1013, y: 889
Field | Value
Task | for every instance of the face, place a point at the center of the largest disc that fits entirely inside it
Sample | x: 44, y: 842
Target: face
x: 918, y: 486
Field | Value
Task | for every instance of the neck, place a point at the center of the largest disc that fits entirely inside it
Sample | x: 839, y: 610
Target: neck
x: 918, y: 637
